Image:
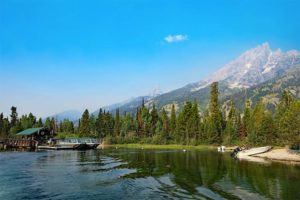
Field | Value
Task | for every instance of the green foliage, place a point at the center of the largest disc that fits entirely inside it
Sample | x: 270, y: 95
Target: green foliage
x: 173, y: 121
x: 165, y: 125
x: 67, y: 126
x: 215, y: 119
x: 4, y: 127
x: 231, y: 129
x: 288, y: 124
x: 39, y: 123
x: 63, y: 135
x: 261, y: 127
x: 126, y: 125
x: 257, y: 126
x: 84, y: 129
x: 188, y: 124
x: 153, y: 120
x: 245, y: 126
x: 13, y: 117
x: 117, y: 124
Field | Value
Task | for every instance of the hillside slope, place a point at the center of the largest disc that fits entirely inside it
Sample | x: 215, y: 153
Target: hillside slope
x: 252, y: 68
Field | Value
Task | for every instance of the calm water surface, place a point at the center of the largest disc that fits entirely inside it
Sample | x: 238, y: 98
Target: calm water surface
x: 142, y: 174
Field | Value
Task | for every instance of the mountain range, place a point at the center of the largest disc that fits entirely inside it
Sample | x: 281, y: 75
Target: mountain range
x: 72, y: 115
x: 259, y: 73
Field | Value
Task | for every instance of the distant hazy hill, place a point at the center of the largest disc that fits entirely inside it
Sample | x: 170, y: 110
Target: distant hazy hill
x: 250, y: 71
x: 126, y: 106
x: 72, y: 115
x: 130, y: 105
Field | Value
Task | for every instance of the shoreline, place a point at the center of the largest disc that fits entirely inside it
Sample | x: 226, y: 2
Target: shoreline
x: 275, y: 154
x: 160, y: 146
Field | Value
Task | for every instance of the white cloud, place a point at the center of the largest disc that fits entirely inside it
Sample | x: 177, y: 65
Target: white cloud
x: 175, y: 38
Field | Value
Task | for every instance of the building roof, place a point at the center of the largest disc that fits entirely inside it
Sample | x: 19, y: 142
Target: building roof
x: 30, y: 131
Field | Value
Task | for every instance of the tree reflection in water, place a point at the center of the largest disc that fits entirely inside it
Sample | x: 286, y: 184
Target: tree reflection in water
x: 211, y: 173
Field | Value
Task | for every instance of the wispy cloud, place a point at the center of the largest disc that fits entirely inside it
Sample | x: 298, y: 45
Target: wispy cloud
x: 175, y: 38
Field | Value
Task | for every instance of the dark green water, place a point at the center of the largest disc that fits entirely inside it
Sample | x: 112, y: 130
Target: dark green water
x: 142, y: 174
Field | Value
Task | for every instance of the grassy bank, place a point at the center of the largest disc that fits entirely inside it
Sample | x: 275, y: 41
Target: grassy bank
x: 155, y: 146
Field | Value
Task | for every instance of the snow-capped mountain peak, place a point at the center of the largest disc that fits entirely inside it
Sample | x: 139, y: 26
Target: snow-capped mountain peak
x: 252, y: 67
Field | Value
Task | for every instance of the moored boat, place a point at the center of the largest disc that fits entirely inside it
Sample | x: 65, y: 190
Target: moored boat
x: 72, y: 144
x: 253, y: 151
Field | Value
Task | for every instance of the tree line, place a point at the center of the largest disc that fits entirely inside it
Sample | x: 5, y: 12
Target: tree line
x: 255, y: 125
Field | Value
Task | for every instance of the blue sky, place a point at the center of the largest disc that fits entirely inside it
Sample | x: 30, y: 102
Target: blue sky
x: 74, y: 54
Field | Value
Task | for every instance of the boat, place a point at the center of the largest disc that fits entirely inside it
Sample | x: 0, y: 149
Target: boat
x: 253, y: 151
x: 72, y: 144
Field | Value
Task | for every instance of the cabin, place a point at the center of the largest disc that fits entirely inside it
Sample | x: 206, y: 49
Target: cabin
x: 41, y: 134
x: 29, y: 138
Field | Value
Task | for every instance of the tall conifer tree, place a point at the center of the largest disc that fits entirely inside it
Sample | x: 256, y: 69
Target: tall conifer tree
x: 117, y: 123
x: 154, y: 119
x: 84, y: 128
x: 215, y: 113
x: 173, y: 120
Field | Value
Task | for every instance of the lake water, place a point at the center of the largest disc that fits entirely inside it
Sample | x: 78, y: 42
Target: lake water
x: 143, y: 174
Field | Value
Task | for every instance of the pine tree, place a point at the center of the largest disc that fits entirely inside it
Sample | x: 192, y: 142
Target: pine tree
x: 215, y: 130
x: 13, y: 116
x: 53, y: 126
x: 48, y: 123
x: 267, y: 129
x: 32, y: 120
x: 139, y: 122
x: 108, y: 124
x: 289, y: 125
x: 255, y: 135
x: 240, y: 128
x: 66, y: 126
x: 15, y: 125
x: 71, y: 127
x: 1, y: 126
x: 5, y: 127
x: 126, y: 125
x: 165, y: 124
x: 246, y: 120
x: 153, y: 119
x: 146, y: 121
x: 92, y: 125
x: 182, y: 126
x: 284, y: 103
x: 84, y: 128
x: 193, y: 123
x: 117, y: 123
x: 99, y: 124
x: 230, y: 132
x: 173, y: 121
x: 283, y: 107
x: 206, y: 127
x: 39, y: 123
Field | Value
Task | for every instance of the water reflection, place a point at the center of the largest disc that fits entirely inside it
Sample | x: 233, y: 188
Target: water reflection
x: 142, y: 174
x: 214, y: 175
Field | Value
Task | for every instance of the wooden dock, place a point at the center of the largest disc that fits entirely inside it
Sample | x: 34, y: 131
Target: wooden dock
x: 19, y: 144
x: 54, y: 148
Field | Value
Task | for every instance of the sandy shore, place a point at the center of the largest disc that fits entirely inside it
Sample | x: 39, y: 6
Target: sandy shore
x: 280, y: 154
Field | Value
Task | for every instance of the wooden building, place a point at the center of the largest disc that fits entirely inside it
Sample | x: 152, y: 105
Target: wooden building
x: 29, y: 138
